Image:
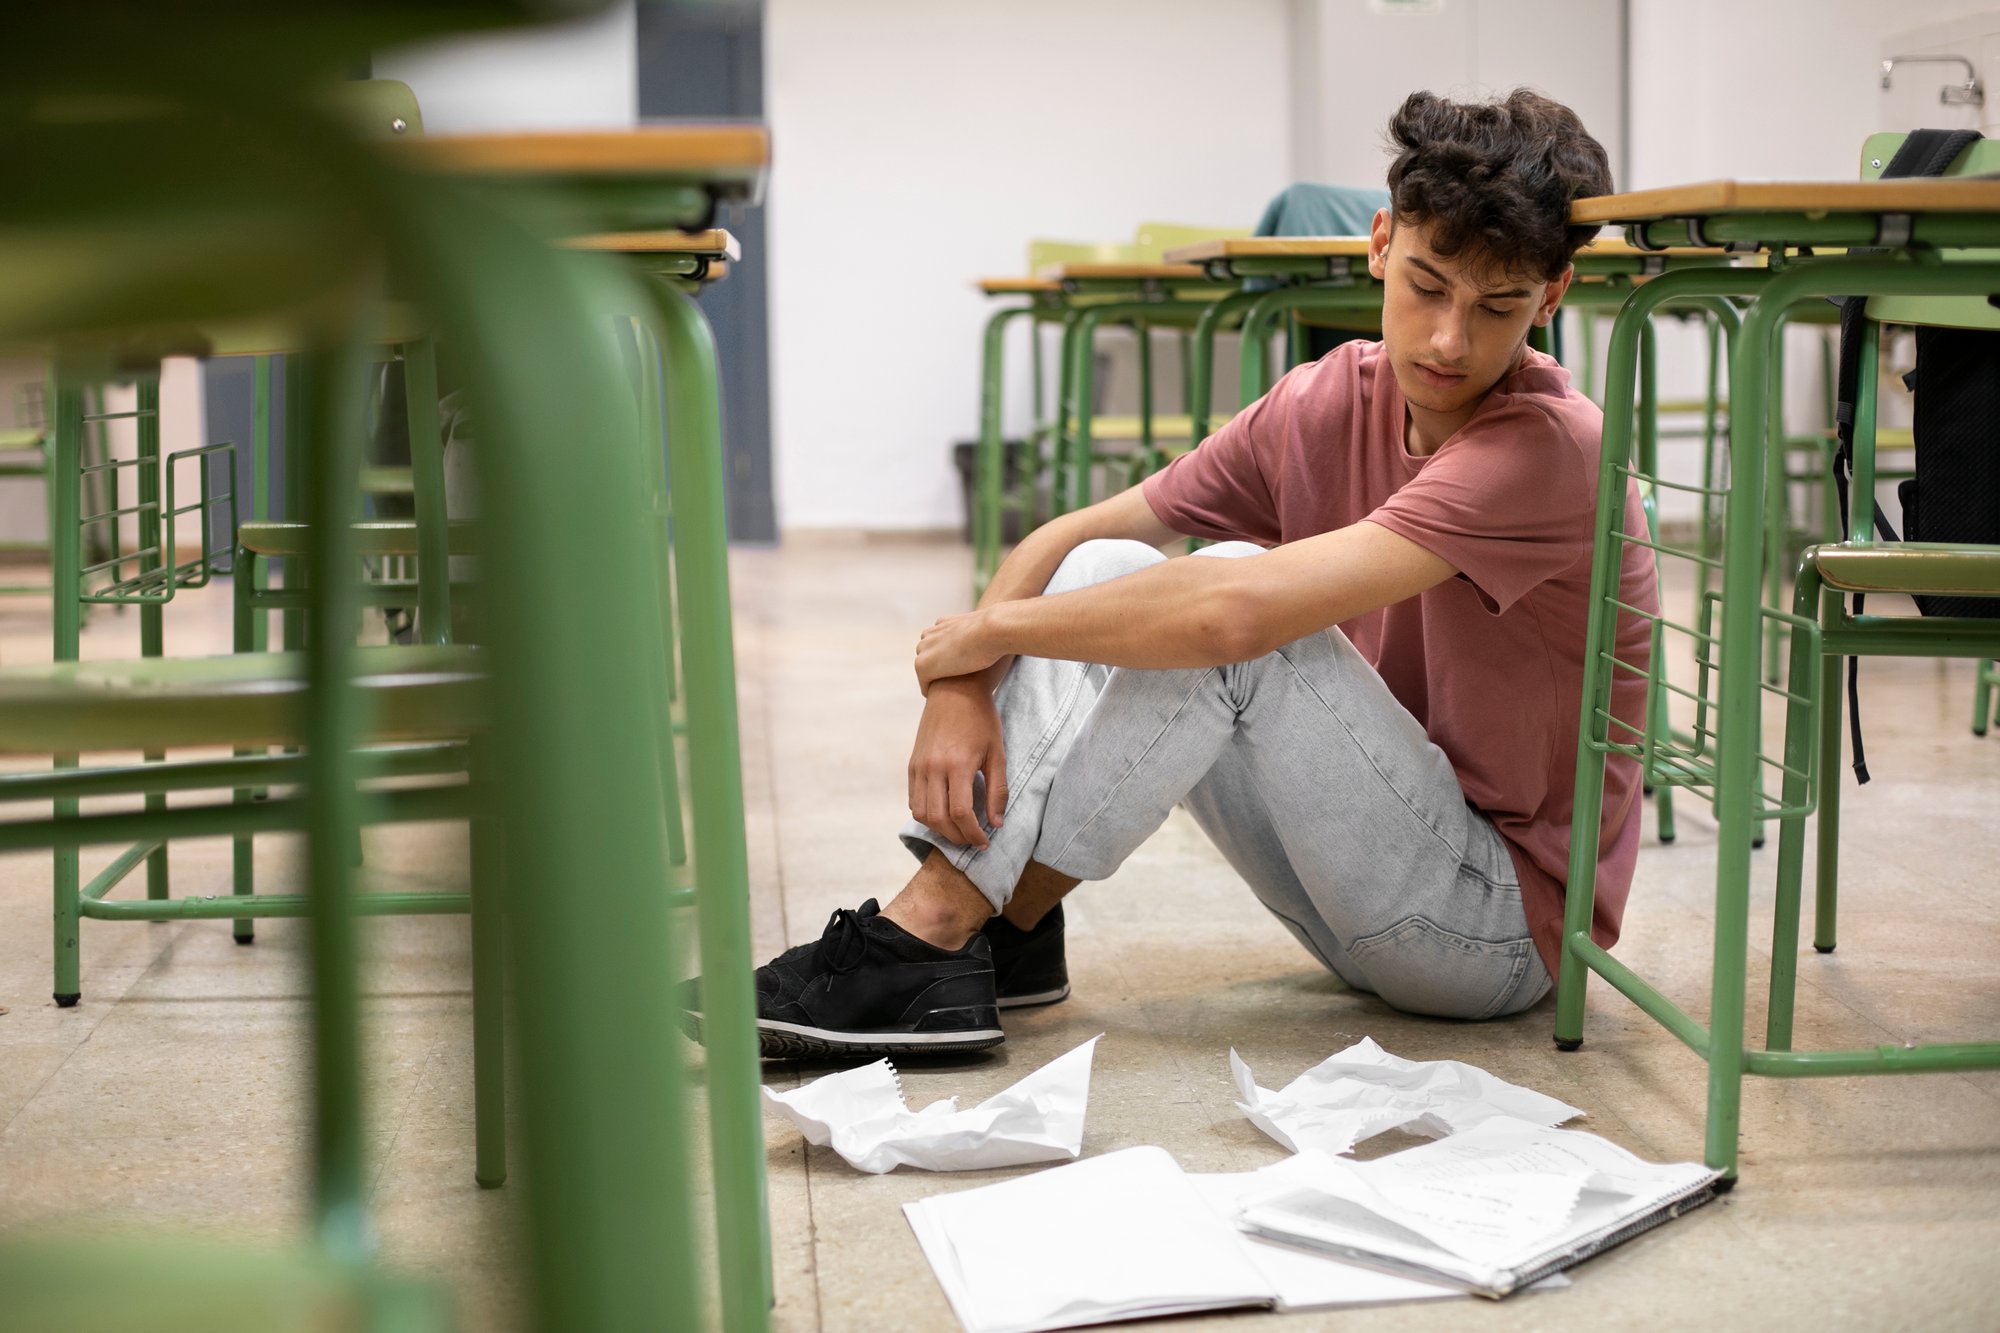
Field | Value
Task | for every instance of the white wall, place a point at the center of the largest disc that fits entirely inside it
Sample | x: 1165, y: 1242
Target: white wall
x: 919, y: 146
x: 1365, y: 62
x: 582, y: 74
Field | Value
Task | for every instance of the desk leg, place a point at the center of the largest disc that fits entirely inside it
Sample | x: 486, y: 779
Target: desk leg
x: 1061, y: 448
x: 989, y: 474
x: 729, y: 1019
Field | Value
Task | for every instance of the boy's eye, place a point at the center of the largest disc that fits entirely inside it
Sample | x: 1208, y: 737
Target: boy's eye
x: 1427, y: 291
x: 1495, y: 310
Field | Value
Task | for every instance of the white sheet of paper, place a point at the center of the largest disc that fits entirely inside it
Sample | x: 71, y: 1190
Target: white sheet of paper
x: 861, y: 1114
x: 1122, y: 1236
x: 1364, y: 1091
x: 1302, y: 1279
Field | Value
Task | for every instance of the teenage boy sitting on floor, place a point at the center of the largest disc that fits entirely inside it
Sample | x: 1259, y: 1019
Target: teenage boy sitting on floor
x: 1374, y: 719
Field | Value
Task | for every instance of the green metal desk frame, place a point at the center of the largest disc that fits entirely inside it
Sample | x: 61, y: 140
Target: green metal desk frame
x: 1759, y: 216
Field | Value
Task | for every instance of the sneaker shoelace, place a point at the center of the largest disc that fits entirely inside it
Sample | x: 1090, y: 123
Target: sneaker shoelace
x: 844, y: 943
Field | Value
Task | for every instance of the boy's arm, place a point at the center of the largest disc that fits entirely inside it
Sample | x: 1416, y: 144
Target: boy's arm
x: 959, y: 734
x: 1196, y: 612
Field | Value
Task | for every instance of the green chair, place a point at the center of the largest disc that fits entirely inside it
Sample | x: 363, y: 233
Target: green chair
x: 1861, y: 565
x: 226, y: 195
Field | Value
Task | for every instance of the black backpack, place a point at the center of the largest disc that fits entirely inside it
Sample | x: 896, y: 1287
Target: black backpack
x: 1955, y: 495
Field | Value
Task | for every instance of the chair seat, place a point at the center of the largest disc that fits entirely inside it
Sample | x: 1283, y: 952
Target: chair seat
x: 392, y: 536
x: 1910, y: 567
x: 418, y: 693
x: 1165, y: 427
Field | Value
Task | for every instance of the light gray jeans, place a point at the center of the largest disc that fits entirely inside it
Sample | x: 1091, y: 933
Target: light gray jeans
x: 1319, y: 788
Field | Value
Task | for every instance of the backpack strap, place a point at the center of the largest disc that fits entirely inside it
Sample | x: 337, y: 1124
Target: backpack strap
x: 1923, y: 153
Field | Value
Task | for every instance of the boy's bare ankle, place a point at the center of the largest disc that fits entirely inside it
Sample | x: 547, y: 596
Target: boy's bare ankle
x: 939, y: 905
x: 1038, y: 891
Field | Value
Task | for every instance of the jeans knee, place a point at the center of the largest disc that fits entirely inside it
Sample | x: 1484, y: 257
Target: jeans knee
x: 1100, y: 561
x: 1231, y: 550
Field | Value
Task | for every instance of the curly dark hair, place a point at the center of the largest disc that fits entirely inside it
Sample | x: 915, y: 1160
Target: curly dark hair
x: 1493, y: 180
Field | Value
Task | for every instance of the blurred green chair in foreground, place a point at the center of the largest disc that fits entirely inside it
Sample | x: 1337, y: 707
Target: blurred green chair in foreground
x: 212, y: 192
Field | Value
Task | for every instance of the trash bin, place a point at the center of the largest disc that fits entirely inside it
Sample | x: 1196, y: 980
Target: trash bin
x: 1015, y: 521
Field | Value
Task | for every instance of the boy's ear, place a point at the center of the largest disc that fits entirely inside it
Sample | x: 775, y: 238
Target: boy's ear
x: 1379, y: 232
x: 1552, y: 296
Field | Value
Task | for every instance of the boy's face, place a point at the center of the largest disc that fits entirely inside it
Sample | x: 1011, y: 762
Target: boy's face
x: 1451, y: 328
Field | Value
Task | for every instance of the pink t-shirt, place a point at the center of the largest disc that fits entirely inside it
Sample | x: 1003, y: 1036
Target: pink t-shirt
x: 1490, y: 662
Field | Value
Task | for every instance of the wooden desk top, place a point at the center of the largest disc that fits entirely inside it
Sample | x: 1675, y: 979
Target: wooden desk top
x: 1122, y: 273
x: 1334, y: 247
x: 1270, y: 247
x: 1018, y: 286
x: 1810, y: 197
x: 714, y: 244
x: 650, y: 150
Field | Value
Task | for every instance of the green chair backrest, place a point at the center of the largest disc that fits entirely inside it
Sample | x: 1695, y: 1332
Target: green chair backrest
x: 1045, y: 254
x: 1164, y: 236
x: 378, y: 108
x: 1961, y: 312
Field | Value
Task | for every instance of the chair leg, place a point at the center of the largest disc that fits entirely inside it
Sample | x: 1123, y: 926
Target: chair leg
x: 420, y: 396
x: 1826, y: 870
x: 1800, y: 741
x: 65, y: 561
x: 156, y: 537
x: 1985, y: 682
x: 243, y: 865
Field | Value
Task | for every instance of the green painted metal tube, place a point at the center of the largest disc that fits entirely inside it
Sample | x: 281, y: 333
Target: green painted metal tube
x: 260, y: 770
x: 65, y: 561
x: 1737, y: 767
x: 1839, y: 230
x: 1258, y: 318
x: 1621, y: 364
x: 297, y: 444
x: 1201, y: 373
x: 1907, y: 636
x: 1060, y: 446
x: 420, y: 392
x: 105, y: 880
x: 1641, y: 992
x: 1649, y: 463
x: 1073, y: 473
x: 336, y: 391
x: 152, y: 621
x: 603, y: 1117
x: 1801, y: 733
x: 989, y: 466
x: 1942, y: 1058
x: 736, y: 1133
x: 231, y: 906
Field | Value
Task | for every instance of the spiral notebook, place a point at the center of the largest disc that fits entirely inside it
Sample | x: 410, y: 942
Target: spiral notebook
x: 1490, y: 1210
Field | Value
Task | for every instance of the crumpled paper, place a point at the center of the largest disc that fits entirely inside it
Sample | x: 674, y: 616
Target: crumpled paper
x: 1364, y: 1091
x: 861, y: 1114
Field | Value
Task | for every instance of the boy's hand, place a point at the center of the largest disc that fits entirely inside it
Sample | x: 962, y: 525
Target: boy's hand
x: 954, y: 646
x: 959, y: 736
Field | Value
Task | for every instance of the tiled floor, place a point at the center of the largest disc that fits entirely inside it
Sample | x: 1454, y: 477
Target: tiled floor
x: 173, y: 1091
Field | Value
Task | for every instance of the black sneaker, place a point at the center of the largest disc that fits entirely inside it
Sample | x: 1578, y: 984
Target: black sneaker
x: 1028, y: 966
x: 867, y: 987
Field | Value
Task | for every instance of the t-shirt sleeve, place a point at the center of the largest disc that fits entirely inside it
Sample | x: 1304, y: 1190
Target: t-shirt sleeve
x: 1227, y: 489
x: 1508, y: 505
